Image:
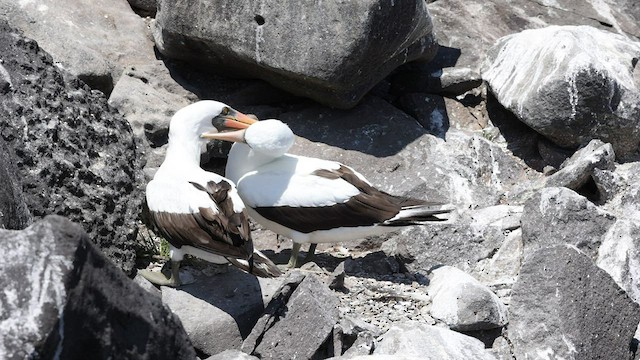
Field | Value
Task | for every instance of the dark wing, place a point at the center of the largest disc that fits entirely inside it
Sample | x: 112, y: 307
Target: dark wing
x: 369, y: 207
x: 220, y: 231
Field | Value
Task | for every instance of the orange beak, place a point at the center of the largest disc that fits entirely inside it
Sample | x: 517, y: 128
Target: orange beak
x: 234, y: 120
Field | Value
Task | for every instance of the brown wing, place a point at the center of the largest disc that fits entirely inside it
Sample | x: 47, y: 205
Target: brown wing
x: 224, y: 233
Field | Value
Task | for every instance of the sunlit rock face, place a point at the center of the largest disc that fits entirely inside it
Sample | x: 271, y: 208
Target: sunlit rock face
x: 331, y: 52
x: 558, y: 82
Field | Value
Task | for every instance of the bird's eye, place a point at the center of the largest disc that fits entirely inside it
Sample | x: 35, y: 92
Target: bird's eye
x: 225, y: 111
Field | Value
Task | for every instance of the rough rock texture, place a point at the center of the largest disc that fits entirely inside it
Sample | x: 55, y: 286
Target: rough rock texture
x: 75, y: 155
x: 332, y: 53
x: 113, y: 36
x: 576, y: 171
x: 563, y: 306
x: 467, y: 29
x: 14, y: 213
x: 232, y: 301
x: 463, y: 303
x: 560, y: 216
x: 300, y: 302
x: 63, y: 299
x: 566, y: 89
x: 619, y: 255
x: 429, y: 343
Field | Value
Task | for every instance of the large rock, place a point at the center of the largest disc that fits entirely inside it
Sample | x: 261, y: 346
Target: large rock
x: 565, y: 88
x: 233, y: 302
x: 303, y: 306
x: 75, y: 155
x: 14, y: 213
x: 563, y: 306
x: 63, y: 299
x: 333, y: 53
x: 462, y: 302
x: 467, y: 29
x: 560, y: 216
x: 93, y: 40
x: 415, y: 339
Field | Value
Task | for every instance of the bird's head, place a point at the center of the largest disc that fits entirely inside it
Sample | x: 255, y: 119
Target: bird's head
x: 271, y: 137
x: 206, y: 117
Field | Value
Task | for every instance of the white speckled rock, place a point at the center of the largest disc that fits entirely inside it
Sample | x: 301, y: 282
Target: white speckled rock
x: 415, y: 339
x: 462, y: 302
x: 557, y: 82
x: 619, y: 255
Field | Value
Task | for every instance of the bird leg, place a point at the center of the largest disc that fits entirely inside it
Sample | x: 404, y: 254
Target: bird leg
x: 293, y: 260
x: 160, y: 279
x: 311, y: 252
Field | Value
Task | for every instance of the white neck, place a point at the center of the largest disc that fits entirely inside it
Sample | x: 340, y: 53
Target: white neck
x: 182, y: 152
x: 243, y: 159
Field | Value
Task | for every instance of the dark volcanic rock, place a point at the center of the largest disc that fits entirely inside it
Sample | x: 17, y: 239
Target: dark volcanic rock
x: 63, y: 299
x: 297, y: 322
x: 331, y: 52
x: 75, y: 155
x: 563, y: 306
x: 14, y: 213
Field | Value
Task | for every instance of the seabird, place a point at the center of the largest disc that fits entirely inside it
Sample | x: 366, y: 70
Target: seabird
x: 312, y: 200
x: 200, y: 212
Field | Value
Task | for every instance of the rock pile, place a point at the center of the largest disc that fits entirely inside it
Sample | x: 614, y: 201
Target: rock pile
x: 529, y: 127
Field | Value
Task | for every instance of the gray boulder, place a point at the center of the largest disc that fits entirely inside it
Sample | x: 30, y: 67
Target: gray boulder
x: 303, y: 306
x: 63, y: 299
x: 112, y: 36
x: 565, y: 92
x: 232, y: 302
x: 144, y: 7
x: 462, y: 302
x: 418, y: 340
x: 556, y: 216
x: 576, y: 171
x: 563, y: 306
x: 75, y: 156
x: 332, y: 53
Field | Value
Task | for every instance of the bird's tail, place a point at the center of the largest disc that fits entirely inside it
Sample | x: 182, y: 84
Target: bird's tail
x: 258, y: 265
x: 420, y: 213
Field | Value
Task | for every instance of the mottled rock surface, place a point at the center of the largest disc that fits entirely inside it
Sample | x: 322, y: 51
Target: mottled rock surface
x: 14, y: 213
x: 62, y: 298
x: 333, y: 53
x: 566, y: 89
x: 75, y: 155
x: 563, y: 306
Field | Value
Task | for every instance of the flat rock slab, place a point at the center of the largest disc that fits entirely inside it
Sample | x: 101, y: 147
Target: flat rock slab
x: 331, y: 52
x: 297, y: 322
x: 75, y: 155
x: 564, y: 306
x: 569, y: 91
x: 219, y: 311
x: 415, y: 339
x: 63, y: 299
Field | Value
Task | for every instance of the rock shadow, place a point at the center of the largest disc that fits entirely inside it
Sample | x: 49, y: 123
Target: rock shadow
x: 235, y: 292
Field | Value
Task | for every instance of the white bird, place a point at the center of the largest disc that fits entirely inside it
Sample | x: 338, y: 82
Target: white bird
x: 200, y: 212
x: 312, y: 200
